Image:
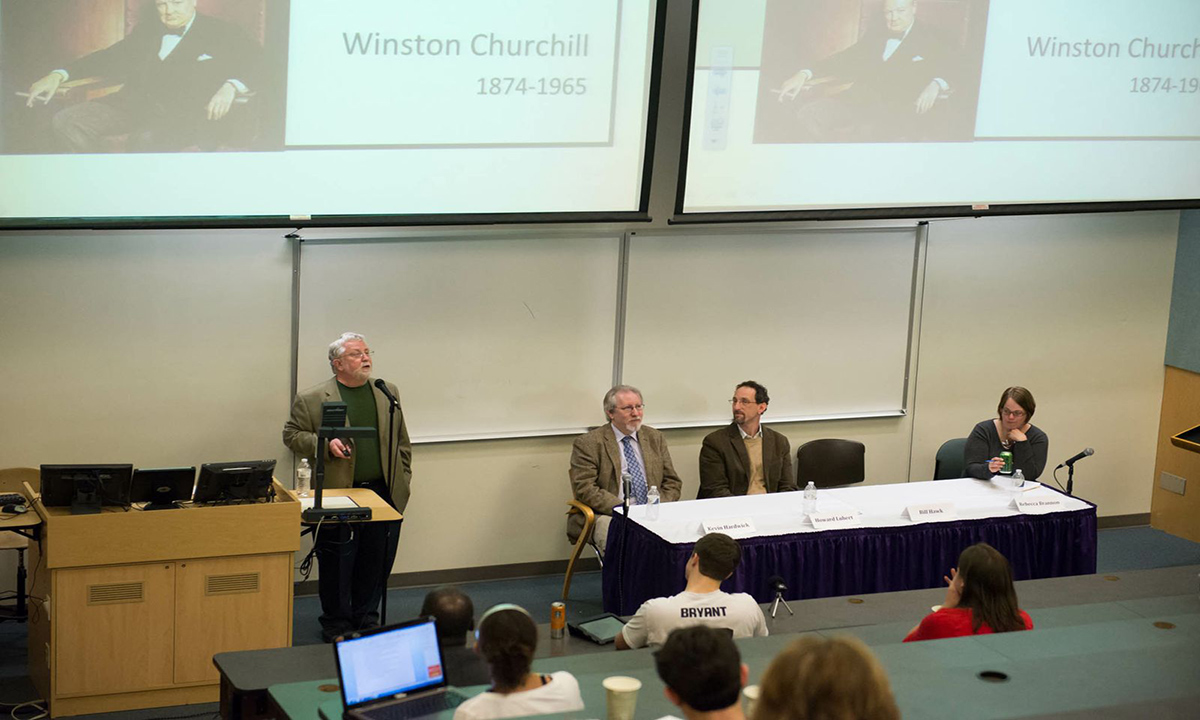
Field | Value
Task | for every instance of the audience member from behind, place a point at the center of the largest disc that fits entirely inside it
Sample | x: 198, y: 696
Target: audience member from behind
x: 1011, y: 431
x: 455, y: 615
x: 507, y: 639
x: 703, y: 673
x: 816, y: 677
x: 702, y: 602
x: 980, y: 599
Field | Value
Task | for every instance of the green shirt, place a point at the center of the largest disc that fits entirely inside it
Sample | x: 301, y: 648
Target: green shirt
x: 360, y: 409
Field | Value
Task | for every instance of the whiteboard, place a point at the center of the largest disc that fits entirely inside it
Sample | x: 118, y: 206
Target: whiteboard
x: 821, y: 318
x: 485, y: 337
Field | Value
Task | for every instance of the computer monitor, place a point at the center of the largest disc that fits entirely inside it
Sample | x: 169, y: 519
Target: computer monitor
x: 85, y: 488
x: 233, y: 482
x: 162, y: 488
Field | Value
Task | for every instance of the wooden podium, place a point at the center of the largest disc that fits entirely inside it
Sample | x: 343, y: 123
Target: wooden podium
x: 130, y: 607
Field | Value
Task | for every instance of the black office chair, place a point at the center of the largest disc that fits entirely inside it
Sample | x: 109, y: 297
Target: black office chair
x: 950, y: 462
x: 830, y: 463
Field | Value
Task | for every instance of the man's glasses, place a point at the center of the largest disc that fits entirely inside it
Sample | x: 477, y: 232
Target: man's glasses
x: 631, y: 408
x: 359, y: 354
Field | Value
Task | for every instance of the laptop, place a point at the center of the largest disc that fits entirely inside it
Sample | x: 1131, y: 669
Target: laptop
x: 394, y: 672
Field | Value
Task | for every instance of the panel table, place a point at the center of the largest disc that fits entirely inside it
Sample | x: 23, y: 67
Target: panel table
x: 887, y: 552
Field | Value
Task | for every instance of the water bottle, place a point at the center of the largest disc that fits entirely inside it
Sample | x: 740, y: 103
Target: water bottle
x: 303, y: 478
x: 1018, y: 479
x: 652, y: 500
x: 810, y: 498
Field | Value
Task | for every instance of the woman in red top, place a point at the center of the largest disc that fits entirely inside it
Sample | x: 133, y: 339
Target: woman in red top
x: 980, y: 599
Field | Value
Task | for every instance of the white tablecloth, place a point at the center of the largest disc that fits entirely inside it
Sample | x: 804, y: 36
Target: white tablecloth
x: 877, y: 506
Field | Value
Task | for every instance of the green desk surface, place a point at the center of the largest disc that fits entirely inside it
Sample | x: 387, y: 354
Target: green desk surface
x: 1125, y: 663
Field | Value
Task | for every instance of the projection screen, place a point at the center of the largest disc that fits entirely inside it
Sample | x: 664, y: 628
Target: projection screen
x: 304, y: 109
x: 833, y: 104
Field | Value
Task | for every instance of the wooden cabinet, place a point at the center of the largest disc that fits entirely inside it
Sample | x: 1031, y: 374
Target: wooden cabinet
x: 135, y: 604
x: 114, y: 628
x: 218, y: 608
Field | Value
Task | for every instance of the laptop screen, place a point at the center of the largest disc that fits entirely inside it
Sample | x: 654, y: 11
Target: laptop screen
x: 388, y: 662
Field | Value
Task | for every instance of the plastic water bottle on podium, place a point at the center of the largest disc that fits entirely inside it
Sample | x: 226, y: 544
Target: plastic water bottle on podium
x: 303, y: 478
x: 652, y: 500
x: 810, y: 498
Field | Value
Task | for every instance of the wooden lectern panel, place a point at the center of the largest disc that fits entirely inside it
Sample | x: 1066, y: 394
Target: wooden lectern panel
x: 115, y: 628
x: 227, y: 604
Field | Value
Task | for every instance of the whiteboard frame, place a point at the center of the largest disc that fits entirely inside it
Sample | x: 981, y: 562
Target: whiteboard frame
x: 357, y: 236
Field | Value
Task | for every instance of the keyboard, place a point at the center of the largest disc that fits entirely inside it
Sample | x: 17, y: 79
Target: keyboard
x: 12, y: 499
x: 428, y: 706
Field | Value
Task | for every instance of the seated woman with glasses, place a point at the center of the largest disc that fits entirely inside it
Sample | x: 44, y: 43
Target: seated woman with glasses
x: 1011, y: 431
x: 506, y: 637
x: 980, y: 599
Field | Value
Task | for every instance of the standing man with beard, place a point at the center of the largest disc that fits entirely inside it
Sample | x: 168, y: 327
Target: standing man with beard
x: 746, y: 458
x: 351, y: 557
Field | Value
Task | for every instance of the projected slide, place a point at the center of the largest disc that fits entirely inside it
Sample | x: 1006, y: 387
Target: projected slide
x: 423, y: 76
x: 874, y: 103
x: 306, y: 108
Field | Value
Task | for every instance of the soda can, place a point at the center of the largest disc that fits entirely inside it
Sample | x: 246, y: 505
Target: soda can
x: 558, y: 619
x: 1007, y: 468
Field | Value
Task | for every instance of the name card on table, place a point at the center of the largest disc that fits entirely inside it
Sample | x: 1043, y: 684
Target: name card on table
x: 733, y: 527
x: 1038, y: 506
x: 835, y: 520
x: 932, y: 512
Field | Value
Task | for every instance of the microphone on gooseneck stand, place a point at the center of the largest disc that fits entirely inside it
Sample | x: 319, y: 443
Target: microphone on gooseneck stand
x: 626, y: 491
x: 1077, y: 457
x: 1070, y: 465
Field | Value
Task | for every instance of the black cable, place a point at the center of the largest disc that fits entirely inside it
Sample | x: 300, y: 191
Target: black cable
x: 1054, y: 474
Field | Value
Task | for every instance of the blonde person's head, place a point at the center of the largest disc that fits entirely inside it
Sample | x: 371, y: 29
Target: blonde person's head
x: 818, y: 678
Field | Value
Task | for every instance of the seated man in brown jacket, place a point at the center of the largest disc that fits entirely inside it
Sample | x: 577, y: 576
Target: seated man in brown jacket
x: 746, y: 458
x: 599, y: 457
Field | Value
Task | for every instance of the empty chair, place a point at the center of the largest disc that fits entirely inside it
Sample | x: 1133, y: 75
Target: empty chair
x: 949, y: 462
x: 829, y: 462
x: 13, y: 480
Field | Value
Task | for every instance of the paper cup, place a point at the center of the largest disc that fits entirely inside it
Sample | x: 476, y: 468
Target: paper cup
x: 750, y: 692
x: 621, y: 692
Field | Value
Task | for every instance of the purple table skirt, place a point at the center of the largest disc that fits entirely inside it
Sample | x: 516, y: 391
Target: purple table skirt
x: 854, y: 561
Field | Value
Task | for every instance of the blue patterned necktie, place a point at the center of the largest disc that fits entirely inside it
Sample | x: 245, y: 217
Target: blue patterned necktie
x: 634, y: 467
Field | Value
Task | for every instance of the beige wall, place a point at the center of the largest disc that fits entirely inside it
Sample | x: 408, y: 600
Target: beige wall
x: 1073, y: 307
x: 173, y: 347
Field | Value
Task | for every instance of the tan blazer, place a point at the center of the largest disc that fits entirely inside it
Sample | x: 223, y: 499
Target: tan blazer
x: 300, y: 434
x: 596, y: 471
x: 725, y: 464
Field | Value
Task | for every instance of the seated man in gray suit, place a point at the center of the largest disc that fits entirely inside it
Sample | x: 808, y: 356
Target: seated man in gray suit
x: 746, y: 458
x: 624, y: 445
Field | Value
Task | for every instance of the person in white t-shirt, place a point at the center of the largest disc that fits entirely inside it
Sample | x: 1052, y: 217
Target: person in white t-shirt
x: 507, y: 638
x: 702, y: 602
